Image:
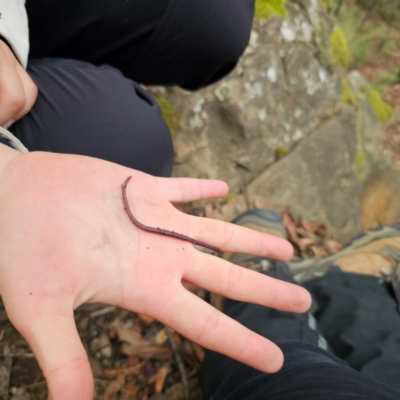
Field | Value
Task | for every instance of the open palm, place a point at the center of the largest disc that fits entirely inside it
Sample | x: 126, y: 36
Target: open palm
x: 66, y: 240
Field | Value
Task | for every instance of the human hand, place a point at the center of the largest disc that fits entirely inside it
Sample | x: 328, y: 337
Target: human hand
x: 18, y: 93
x: 66, y: 240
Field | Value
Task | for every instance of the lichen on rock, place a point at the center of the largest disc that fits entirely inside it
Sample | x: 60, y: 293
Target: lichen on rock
x: 327, y: 4
x: 339, y: 48
x: 267, y: 8
x: 168, y: 112
x: 381, y: 109
x: 348, y: 95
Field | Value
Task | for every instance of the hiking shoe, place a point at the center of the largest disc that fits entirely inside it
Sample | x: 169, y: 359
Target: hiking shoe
x: 374, y: 252
x: 262, y: 220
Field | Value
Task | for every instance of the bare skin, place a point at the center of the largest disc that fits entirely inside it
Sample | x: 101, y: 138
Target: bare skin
x: 159, y: 231
x: 66, y: 240
x: 18, y: 92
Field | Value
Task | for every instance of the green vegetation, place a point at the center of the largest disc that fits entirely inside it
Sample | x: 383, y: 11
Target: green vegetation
x: 389, y: 47
x: 339, y: 49
x: 389, y: 10
x: 360, y: 162
x: 350, y: 22
x: 381, y: 109
x: 363, y: 37
x: 281, y: 152
x: 328, y: 4
x: 267, y: 8
x: 169, y: 113
x: 331, y: 112
x: 228, y: 198
x: 348, y: 96
x: 360, y: 159
x: 384, y: 80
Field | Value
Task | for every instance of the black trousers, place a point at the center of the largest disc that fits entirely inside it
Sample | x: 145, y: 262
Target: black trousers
x: 354, y: 316
x: 87, y: 56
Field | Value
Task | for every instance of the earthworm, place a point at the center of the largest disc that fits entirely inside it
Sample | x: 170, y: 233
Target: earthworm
x: 159, y: 231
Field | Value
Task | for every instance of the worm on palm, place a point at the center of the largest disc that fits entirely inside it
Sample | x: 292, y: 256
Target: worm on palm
x: 159, y: 231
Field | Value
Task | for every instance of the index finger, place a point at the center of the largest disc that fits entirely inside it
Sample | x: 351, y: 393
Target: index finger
x: 181, y: 190
x: 237, y: 239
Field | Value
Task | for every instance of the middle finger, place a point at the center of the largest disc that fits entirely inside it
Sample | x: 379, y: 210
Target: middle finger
x: 237, y: 239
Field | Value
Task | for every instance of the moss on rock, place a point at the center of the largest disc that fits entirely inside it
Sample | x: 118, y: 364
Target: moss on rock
x: 360, y: 162
x: 381, y: 109
x: 169, y: 113
x: 339, y: 48
x: 267, y: 8
x: 281, y: 152
x: 327, y: 4
x: 348, y: 96
x: 228, y: 198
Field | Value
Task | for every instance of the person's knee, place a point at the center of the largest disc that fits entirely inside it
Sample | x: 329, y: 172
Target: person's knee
x: 96, y: 111
x: 221, y: 38
x: 227, y: 36
x: 212, y: 35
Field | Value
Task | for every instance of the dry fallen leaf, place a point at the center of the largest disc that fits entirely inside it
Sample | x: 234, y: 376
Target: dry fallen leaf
x: 124, y: 371
x: 305, y: 233
x: 131, y: 392
x: 199, y: 351
x: 319, y: 251
x: 311, y: 227
x: 148, y: 369
x: 160, y: 379
x: 114, y: 387
x: 333, y: 246
x: 146, y: 319
x: 304, y: 243
x: 136, y: 345
x: 161, y: 337
x: 291, y: 227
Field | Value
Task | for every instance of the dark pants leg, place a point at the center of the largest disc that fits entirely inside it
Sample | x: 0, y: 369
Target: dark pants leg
x: 97, y: 112
x: 310, y: 370
x: 190, y: 43
x: 359, y: 317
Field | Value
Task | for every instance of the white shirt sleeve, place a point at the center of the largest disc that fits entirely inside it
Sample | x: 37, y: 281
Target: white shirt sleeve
x: 14, y: 27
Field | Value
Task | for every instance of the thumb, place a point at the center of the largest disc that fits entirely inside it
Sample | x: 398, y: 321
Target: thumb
x: 55, y: 341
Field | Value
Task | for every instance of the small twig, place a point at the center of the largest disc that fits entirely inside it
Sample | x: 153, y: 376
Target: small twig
x: 179, y: 362
x: 102, y: 311
x: 159, y: 230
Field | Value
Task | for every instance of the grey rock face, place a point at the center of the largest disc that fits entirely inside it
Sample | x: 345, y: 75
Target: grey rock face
x: 323, y: 179
x: 278, y: 94
x: 284, y: 97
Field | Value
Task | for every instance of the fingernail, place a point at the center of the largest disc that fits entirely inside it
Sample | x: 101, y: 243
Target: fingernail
x: 9, y: 123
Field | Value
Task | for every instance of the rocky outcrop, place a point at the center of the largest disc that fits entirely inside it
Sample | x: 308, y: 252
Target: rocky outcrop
x: 285, y: 98
x: 278, y: 94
